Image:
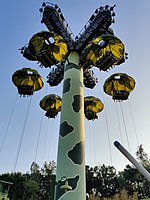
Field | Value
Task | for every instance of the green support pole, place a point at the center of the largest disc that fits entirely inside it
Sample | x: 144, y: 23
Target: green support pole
x: 70, y: 174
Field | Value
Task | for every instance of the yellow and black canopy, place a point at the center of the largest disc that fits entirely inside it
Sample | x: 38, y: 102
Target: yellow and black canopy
x: 51, y: 104
x: 92, y: 106
x: 27, y: 81
x: 119, y: 86
x: 104, y: 51
x: 48, y: 48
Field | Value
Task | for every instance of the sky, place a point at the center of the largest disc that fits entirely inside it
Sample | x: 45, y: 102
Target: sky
x: 26, y: 135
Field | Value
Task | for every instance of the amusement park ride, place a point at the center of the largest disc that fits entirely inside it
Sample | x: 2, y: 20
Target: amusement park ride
x: 71, y: 60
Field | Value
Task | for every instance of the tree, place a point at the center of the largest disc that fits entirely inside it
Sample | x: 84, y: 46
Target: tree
x: 108, y: 174
x: 142, y: 156
x: 144, y: 160
x: 132, y: 178
x: 101, y: 180
x: 47, y: 171
x: 17, y: 189
x: 34, y: 168
x: 31, y: 189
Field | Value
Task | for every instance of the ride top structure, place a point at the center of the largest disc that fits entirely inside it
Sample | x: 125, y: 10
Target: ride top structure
x: 72, y: 59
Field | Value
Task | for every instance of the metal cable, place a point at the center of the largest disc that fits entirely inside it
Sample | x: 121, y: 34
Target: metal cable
x: 119, y: 123
x: 120, y: 131
x: 133, y: 124
x: 108, y: 134
x: 22, y: 135
x: 6, y: 132
x: 125, y: 127
x: 39, y: 134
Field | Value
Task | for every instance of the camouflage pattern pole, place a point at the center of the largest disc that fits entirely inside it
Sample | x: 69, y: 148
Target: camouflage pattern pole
x: 70, y: 174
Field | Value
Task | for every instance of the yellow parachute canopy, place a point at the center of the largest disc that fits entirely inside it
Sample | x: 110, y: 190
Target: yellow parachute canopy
x: 48, y: 48
x: 27, y: 81
x: 103, y: 52
x: 92, y: 106
x: 119, y: 86
x: 51, y: 104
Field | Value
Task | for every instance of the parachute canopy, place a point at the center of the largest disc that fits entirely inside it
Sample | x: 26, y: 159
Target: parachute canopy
x: 119, y: 86
x: 51, y: 104
x: 92, y: 106
x: 27, y: 81
x: 46, y: 47
x: 104, y: 52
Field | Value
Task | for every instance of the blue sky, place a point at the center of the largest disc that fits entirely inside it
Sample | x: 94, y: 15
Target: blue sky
x: 19, y: 21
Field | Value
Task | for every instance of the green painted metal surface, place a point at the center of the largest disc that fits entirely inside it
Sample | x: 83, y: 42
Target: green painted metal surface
x: 70, y: 174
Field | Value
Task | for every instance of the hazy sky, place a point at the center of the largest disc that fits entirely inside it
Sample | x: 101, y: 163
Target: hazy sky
x: 22, y: 122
